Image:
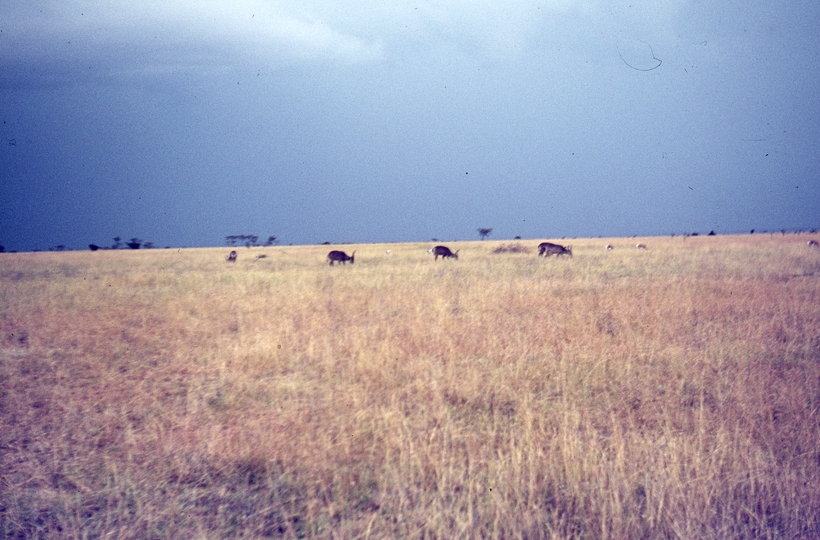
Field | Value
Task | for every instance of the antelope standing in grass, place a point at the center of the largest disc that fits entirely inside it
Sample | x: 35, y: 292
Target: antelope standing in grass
x: 340, y: 256
x: 640, y: 246
x: 231, y: 257
x: 548, y: 248
x: 444, y: 252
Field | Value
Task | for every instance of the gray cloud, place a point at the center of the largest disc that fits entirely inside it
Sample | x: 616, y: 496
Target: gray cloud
x: 163, y: 38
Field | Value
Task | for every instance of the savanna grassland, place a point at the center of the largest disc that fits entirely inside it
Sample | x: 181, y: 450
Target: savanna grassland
x: 666, y: 393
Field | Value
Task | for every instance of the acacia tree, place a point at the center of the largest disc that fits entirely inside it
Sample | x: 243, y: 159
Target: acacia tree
x: 484, y: 233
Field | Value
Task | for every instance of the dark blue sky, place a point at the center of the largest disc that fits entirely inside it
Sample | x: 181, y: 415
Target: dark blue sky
x: 399, y: 121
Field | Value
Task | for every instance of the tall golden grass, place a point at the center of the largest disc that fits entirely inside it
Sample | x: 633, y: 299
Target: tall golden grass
x: 666, y: 393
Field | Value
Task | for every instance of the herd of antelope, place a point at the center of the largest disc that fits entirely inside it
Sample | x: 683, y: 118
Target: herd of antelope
x: 544, y: 248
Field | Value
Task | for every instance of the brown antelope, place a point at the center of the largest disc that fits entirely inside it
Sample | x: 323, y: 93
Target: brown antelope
x: 609, y: 247
x: 231, y: 256
x: 340, y: 256
x: 812, y: 243
x: 444, y: 252
x: 547, y: 248
x: 640, y: 246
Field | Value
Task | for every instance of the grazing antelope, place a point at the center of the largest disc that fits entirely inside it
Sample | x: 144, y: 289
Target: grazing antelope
x: 547, y: 248
x: 231, y: 256
x: 609, y: 247
x: 640, y: 246
x: 444, y: 252
x: 340, y: 256
x: 812, y: 243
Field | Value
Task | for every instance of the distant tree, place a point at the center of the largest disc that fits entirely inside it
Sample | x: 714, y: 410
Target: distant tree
x: 484, y: 233
x: 134, y: 243
x: 2, y: 249
x: 117, y: 243
x: 148, y: 245
x: 271, y: 240
x: 58, y: 247
x: 93, y: 247
x: 711, y: 233
x: 247, y: 239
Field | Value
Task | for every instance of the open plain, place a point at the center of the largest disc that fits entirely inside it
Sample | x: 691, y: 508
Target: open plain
x: 671, y: 392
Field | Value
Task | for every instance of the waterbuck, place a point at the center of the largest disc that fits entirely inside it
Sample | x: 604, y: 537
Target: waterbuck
x: 547, y: 248
x: 340, y: 256
x: 231, y: 256
x: 444, y: 252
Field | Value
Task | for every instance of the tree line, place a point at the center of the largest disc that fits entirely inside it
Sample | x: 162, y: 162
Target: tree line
x: 133, y: 243
x: 249, y: 240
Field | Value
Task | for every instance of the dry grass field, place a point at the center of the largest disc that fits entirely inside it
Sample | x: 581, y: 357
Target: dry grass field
x: 666, y: 393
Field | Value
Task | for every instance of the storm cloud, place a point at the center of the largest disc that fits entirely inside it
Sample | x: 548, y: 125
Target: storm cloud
x: 184, y: 122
